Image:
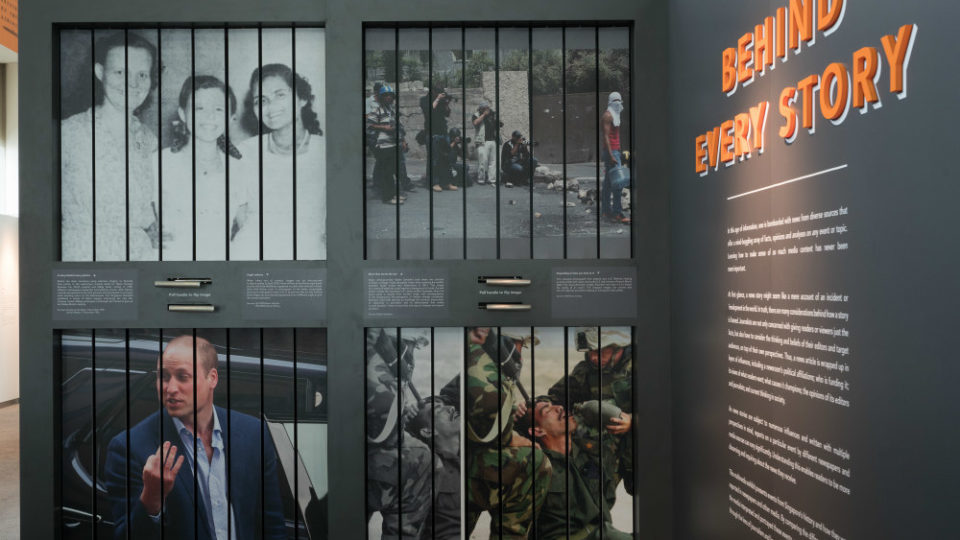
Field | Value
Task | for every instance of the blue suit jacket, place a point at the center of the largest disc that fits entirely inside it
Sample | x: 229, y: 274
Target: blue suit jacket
x: 257, y: 507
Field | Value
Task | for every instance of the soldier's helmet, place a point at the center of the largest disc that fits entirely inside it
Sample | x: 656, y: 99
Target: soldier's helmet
x: 591, y: 338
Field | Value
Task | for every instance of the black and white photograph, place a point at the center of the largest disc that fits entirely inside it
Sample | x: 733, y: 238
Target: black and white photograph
x: 152, y: 416
x: 497, y: 142
x: 164, y: 155
x: 527, y: 430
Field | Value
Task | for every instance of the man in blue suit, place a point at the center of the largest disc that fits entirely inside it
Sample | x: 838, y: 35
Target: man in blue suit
x: 162, y: 494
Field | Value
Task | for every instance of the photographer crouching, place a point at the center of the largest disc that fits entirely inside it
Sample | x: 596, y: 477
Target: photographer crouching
x: 516, y: 162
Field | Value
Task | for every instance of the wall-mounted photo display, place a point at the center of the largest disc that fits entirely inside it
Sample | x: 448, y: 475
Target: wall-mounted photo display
x: 182, y: 144
x: 172, y: 433
x: 497, y: 143
x: 509, y: 432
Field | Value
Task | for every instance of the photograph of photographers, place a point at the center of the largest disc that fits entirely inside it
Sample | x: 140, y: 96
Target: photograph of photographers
x: 506, y: 142
x: 186, y: 144
x: 193, y: 433
x: 511, y: 432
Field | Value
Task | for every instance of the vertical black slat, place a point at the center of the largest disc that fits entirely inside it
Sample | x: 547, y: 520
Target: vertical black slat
x: 263, y: 482
x: 600, y: 382
x: 563, y: 129
x: 566, y: 378
x: 94, y: 472
x: 260, y: 162
x: 159, y: 209
x: 531, y: 410
x: 464, y: 449
x: 433, y: 437
x: 296, y: 448
x: 530, y: 128
x: 396, y: 136
x: 93, y: 140
x: 160, y: 427
x: 226, y: 162
x: 596, y: 59
x: 363, y: 137
x: 193, y: 183
x: 634, y: 451
x: 463, y: 137
x: 196, y: 419
x: 295, y: 146
x: 499, y: 525
x: 399, y: 434
x: 430, y: 158
x: 496, y: 92
x: 58, y: 189
x: 633, y: 157
x: 126, y: 409
x: 126, y: 144
x: 227, y: 464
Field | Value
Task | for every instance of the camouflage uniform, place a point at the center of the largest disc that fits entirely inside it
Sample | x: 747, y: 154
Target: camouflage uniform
x: 500, y: 479
x: 617, y: 388
x: 586, y: 515
x: 402, y: 498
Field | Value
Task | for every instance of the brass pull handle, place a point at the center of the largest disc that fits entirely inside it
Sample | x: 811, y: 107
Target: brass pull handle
x: 506, y: 306
x: 505, y: 281
x: 182, y: 283
x: 192, y: 308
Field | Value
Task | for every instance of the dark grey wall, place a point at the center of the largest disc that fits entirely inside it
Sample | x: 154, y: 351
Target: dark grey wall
x: 900, y: 272
x: 343, y: 21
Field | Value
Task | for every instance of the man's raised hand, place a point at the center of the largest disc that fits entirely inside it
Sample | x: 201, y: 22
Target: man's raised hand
x: 161, y: 467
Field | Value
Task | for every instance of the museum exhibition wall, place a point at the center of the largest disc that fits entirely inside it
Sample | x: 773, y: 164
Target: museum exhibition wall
x: 814, y: 269
x: 621, y: 270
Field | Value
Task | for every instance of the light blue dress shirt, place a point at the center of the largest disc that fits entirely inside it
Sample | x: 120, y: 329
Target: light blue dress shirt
x: 211, y: 478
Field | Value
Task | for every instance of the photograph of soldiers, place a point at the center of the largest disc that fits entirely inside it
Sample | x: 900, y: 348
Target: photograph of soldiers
x: 571, y: 504
x: 604, y: 374
x: 398, y: 464
x: 499, y: 460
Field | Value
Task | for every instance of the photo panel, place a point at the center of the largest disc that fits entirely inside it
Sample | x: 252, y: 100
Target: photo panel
x: 311, y: 435
x: 212, y: 373
x: 174, y: 164
x: 281, y: 466
x: 273, y: 101
x: 484, y: 405
x: 582, y: 395
x: 415, y: 360
x: 581, y: 142
x: 481, y: 210
x: 245, y: 401
x: 383, y: 421
x: 243, y: 169
x: 447, y: 165
x: 77, y: 83
x: 310, y: 171
x: 412, y: 110
x: 516, y: 160
x: 551, y: 427
x: 615, y: 168
x: 144, y: 413
x: 110, y: 420
x: 77, y: 434
x: 142, y: 144
x: 381, y: 187
x: 616, y: 384
x: 546, y: 130
x: 519, y: 460
x: 206, y: 112
x: 443, y: 408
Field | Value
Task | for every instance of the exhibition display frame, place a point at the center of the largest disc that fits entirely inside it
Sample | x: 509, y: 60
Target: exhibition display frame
x: 346, y: 318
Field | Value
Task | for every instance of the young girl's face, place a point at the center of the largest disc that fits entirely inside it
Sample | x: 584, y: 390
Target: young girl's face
x: 209, y: 105
x: 276, y: 101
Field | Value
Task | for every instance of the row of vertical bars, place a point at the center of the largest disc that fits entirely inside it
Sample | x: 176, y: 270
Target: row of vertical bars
x: 582, y: 231
x: 396, y: 443
x: 83, y: 79
x: 110, y: 387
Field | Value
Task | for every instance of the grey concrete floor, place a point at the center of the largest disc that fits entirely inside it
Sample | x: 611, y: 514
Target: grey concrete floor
x: 10, y: 472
